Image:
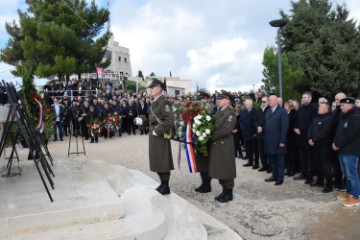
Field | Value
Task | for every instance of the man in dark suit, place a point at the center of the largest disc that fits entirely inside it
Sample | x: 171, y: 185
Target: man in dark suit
x: 275, y: 132
x: 304, y: 118
x: 248, y: 130
x: 58, y: 109
x: 339, y: 182
x: 131, y: 115
x: 259, y: 122
x: 142, y: 113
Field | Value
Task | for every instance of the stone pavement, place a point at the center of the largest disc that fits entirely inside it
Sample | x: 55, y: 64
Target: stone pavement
x: 259, y: 211
x: 95, y: 199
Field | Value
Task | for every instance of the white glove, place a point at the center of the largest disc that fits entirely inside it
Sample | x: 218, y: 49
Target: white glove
x: 154, y: 133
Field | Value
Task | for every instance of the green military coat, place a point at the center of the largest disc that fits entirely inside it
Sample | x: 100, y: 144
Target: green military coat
x: 202, y: 162
x: 161, y: 120
x: 222, y: 151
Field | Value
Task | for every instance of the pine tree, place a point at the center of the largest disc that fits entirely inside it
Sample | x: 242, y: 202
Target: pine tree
x: 57, y: 37
x: 324, y: 43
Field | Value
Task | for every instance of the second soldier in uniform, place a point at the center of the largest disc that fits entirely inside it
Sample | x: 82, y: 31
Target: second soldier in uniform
x: 222, y: 152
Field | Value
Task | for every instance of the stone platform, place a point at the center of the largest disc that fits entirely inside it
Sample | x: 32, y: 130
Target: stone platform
x: 98, y: 200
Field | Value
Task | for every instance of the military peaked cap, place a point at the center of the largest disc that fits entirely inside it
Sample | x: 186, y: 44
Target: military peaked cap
x: 202, y: 94
x: 156, y: 82
x: 225, y: 95
x: 348, y: 100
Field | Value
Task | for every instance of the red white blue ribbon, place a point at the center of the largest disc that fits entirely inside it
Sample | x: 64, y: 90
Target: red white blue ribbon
x: 189, y: 149
x: 40, y: 125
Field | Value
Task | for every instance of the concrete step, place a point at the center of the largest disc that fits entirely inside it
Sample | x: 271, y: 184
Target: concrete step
x: 98, y: 200
x: 78, y: 200
x: 140, y: 227
x: 184, y: 220
x: 61, y: 219
x: 179, y: 225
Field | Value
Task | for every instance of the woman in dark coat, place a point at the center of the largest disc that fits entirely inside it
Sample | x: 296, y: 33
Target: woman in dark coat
x: 290, y: 157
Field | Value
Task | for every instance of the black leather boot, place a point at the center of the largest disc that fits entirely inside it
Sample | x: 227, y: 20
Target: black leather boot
x: 92, y: 140
x: 221, y: 195
x: 226, y: 196
x: 205, y: 187
x: 328, y: 185
x: 164, y: 187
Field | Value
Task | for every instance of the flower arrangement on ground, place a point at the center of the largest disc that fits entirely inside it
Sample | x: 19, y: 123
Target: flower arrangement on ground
x: 95, y: 127
x: 112, y: 123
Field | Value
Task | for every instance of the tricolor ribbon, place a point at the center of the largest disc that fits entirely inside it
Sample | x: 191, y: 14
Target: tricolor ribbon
x: 189, y: 149
x: 40, y: 125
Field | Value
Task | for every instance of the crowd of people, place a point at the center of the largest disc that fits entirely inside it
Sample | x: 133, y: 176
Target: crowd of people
x: 315, y: 140
x: 320, y: 142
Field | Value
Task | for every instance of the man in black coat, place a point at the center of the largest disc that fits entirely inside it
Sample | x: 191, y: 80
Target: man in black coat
x: 275, y: 132
x: 304, y: 118
x: 347, y: 143
x: 67, y: 117
x: 320, y: 137
x: 339, y: 182
x: 248, y: 130
x: 259, y: 122
x: 131, y: 115
x: 142, y: 112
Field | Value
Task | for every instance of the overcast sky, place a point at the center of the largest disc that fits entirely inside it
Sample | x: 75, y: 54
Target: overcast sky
x: 217, y: 43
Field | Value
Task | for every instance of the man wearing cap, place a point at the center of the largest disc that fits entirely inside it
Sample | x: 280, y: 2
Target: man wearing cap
x: 222, y: 151
x: 161, y: 120
x: 347, y: 143
x: 202, y: 162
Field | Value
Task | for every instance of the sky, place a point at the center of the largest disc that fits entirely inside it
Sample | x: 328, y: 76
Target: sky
x: 217, y: 44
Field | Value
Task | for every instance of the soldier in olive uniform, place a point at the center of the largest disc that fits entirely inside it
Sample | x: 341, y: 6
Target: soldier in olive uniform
x: 222, y: 152
x: 202, y: 162
x: 161, y: 120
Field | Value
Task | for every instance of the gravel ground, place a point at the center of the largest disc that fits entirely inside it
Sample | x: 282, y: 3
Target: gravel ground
x: 259, y: 210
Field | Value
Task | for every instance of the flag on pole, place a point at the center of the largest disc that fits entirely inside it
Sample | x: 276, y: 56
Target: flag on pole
x: 100, y: 72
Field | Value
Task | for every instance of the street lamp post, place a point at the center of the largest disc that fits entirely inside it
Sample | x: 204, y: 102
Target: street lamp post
x: 279, y: 23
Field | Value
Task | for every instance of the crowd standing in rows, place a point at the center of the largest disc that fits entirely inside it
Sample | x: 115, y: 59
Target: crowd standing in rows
x: 319, y: 141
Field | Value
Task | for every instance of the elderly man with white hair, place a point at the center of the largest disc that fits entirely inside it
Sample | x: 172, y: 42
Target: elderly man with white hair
x: 248, y: 130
